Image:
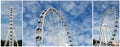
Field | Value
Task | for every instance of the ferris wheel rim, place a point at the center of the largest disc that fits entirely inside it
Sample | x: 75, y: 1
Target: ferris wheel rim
x: 42, y: 17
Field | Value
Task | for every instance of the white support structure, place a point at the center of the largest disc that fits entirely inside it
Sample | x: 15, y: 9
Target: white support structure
x: 11, y: 33
x: 39, y: 29
x: 105, y: 32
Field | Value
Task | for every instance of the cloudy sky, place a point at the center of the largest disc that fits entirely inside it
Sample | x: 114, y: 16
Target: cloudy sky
x: 5, y: 13
x: 98, y: 13
x: 78, y: 16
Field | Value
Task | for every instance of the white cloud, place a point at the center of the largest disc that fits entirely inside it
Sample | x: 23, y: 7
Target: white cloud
x: 68, y: 6
x: 79, y: 9
x: 33, y: 21
x: 24, y: 24
x: 28, y: 15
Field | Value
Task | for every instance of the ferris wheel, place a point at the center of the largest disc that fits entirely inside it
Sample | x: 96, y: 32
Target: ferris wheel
x: 54, y: 27
x: 109, y: 28
x: 11, y: 39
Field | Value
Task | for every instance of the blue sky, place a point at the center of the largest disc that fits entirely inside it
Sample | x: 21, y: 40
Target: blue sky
x: 5, y: 13
x: 99, y: 9
x: 78, y: 16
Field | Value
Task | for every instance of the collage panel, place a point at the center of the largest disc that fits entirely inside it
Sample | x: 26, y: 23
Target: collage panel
x: 106, y: 23
x: 57, y: 23
x: 11, y: 23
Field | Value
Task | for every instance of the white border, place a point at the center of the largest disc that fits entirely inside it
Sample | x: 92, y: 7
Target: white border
x: 105, y: 0
x: 119, y: 22
x: 57, y: 0
x: 92, y: 21
x: 0, y: 23
x: 22, y: 22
